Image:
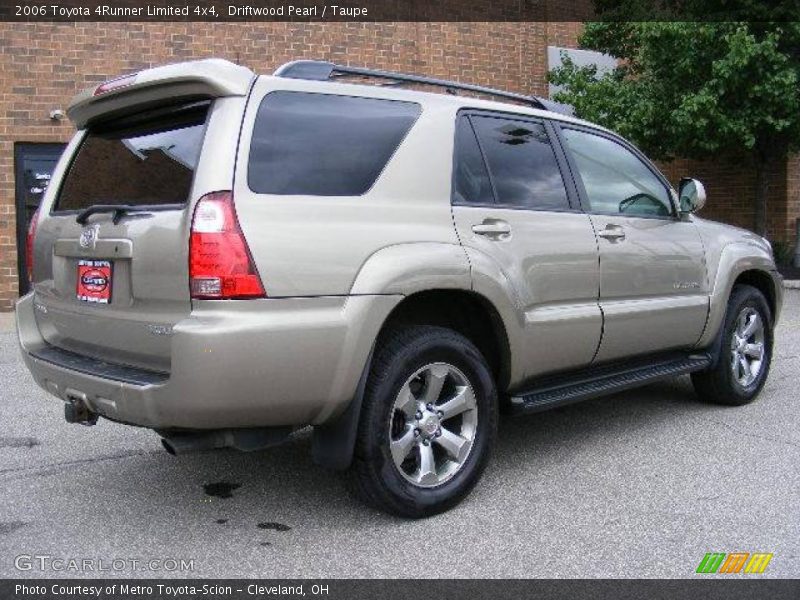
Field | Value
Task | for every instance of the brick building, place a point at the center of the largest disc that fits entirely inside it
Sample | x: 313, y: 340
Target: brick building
x: 44, y: 64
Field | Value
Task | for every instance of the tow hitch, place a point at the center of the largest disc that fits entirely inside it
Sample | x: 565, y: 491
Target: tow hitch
x: 76, y: 410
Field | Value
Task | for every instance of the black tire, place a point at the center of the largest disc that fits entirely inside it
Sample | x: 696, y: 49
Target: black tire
x: 402, y: 353
x: 719, y: 385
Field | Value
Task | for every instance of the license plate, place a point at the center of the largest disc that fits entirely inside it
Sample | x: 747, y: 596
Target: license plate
x: 94, y: 281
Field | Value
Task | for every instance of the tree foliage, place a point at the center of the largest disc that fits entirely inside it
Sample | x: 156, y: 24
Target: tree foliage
x: 690, y: 89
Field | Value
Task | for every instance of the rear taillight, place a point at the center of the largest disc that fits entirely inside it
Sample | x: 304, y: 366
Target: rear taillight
x: 220, y: 265
x: 29, y: 244
x: 114, y: 84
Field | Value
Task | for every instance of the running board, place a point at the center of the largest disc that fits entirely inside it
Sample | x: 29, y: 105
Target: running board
x: 599, y: 381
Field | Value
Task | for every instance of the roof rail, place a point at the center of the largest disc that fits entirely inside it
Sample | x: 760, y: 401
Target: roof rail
x: 320, y: 70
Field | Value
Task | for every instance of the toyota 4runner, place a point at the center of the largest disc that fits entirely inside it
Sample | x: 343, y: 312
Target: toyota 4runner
x: 224, y: 258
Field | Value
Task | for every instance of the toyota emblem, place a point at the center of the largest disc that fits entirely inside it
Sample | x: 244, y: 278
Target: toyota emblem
x: 88, y: 237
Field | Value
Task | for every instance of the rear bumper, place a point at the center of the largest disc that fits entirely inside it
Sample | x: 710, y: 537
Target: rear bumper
x: 255, y: 363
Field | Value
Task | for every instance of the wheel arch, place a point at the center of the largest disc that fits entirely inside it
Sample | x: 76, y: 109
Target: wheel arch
x: 763, y: 282
x: 740, y: 263
x: 465, y: 311
x: 462, y: 310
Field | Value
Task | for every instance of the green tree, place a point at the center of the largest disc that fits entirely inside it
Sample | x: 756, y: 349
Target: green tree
x: 695, y: 90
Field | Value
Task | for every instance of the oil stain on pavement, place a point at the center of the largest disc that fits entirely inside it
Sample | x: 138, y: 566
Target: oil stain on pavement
x: 7, y: 527
x: 18, y: 442
x: 274, y: 526
x: 221, y: 489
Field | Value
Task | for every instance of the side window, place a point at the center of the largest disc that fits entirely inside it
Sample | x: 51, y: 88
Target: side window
x: 471, y: 183
x: 615, y: 179
x: 324, y: 145
x: 522, y: 163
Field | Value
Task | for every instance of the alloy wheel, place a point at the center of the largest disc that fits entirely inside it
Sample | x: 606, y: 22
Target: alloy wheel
x: 433, y: 424
x: 747, y: 347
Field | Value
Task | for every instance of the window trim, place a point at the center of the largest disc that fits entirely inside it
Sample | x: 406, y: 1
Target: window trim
x: 573, y: 205
x: 263, y: 99
x: 578, y: 179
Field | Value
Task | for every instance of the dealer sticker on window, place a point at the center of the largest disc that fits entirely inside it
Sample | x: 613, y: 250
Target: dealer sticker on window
x: 94, y: 281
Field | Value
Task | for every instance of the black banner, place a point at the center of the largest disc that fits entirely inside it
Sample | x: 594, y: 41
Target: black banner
x: 397, y: 10
x: 733, y: 588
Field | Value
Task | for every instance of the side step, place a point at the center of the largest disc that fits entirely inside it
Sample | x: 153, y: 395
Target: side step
x: 599, y: 381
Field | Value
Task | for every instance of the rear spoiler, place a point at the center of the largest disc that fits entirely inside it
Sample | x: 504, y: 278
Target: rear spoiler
x: 208, y: 78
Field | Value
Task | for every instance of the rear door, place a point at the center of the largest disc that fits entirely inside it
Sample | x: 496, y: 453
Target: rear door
x: 653, y: 285
x: 112, y: 284
x: 512, y: 203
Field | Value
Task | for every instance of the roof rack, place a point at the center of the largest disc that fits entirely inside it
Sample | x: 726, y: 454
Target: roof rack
x: 319, y: 70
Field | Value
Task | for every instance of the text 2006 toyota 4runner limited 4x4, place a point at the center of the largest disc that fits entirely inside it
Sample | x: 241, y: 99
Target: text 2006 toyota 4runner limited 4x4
x: 224, y: 257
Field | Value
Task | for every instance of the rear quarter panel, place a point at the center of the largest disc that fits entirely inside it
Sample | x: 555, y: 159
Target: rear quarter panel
x: 312, y: 245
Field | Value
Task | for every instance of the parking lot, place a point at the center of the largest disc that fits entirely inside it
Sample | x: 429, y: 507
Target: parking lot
x: 640, y: 484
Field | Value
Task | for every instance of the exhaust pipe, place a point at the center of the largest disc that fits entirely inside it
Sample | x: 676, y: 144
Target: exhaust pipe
x: 192, y: 442
x: 245, y: 440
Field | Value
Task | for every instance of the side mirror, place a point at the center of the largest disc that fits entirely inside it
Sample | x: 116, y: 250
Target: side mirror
x: 691, y: 195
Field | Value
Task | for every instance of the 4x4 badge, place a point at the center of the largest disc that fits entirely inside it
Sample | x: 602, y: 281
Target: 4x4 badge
x: 88, y: 237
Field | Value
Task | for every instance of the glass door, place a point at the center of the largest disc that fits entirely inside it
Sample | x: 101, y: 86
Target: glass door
x: 33, y: 167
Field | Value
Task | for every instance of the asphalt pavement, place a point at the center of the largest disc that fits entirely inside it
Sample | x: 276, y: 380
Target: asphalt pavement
x: 640, y: 484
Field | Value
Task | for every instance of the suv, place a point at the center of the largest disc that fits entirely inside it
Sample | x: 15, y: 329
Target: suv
x: 224, y: 258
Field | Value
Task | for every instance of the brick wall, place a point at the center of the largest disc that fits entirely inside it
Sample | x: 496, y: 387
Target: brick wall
x: 792, y: 201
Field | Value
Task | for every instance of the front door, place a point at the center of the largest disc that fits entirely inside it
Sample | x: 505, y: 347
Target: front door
x: 33, y: 164
x: 653, y: 285
x: 511, y: 204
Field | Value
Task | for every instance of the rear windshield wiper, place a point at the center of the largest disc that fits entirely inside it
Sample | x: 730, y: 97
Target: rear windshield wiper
x: 119, y: 210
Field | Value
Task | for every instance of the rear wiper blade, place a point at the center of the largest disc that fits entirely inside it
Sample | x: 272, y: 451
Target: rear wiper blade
x: 119, y: 211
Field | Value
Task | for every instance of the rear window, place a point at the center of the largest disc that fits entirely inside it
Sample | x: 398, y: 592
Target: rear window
x: 324, y: 145
x: 147, y: 159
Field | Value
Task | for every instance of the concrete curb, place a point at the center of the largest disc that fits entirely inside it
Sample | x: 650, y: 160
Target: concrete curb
x: 791, y: 284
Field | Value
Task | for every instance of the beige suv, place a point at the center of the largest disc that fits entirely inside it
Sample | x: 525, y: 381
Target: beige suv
x: 224, y: 258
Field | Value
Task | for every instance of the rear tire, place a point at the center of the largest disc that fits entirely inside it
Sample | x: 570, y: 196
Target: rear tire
x: 745, y: 351
x: 428, y: 422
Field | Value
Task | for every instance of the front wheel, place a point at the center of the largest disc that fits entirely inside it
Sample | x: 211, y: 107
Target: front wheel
x: 745, y: 351
x: 427, y: 424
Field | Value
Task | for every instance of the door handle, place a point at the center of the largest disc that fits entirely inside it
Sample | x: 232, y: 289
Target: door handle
x: 492, y: 228
x: 612, y: 233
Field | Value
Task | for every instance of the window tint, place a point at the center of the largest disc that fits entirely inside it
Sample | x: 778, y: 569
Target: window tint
x: 616, y: 180
x: 137, y: 161
x: 522, y: 163
x: 471, y: 183
x: 324, y: 145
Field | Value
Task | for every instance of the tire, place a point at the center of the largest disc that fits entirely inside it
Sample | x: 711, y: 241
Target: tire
x: 727, y: 382
x: 391, y: 469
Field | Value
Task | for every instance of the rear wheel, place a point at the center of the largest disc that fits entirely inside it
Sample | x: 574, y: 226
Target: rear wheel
x: 428, y: 422
x: 745, y: 351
